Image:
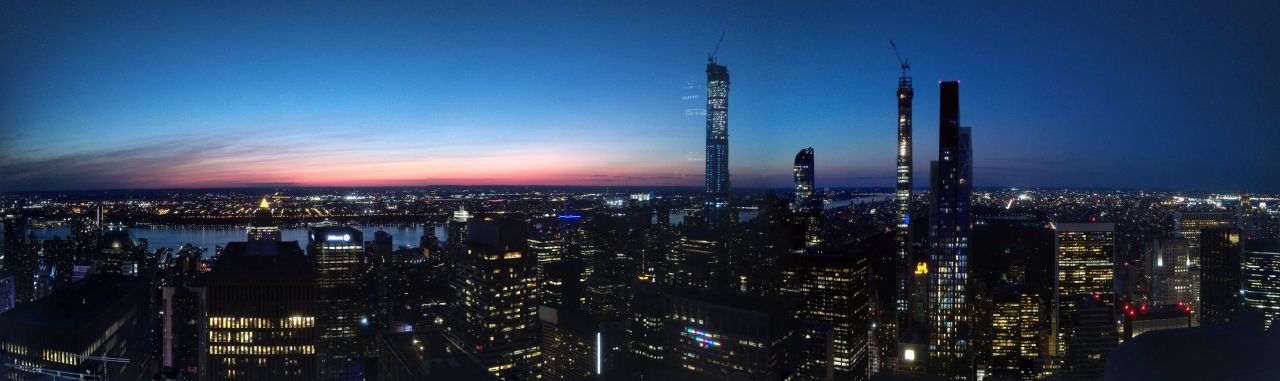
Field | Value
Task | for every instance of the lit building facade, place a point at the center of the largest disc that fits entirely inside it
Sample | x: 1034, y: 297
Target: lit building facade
x: 902, y: 208
x: 496, y: 313
x: 261, y: 321
x: 1261, y: 269
x: 1220, y: 270
x: 336, y: 255
x: 950, y: 350
x: 1168, y: 268
x: 833, y: 289
x: 1015, y: 334
x: 1085, y: 266
x: 716, y: 204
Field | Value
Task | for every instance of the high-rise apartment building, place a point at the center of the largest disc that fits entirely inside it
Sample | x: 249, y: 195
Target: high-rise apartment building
x: 716, y: 204
x: 1220, y: 269
x: 949, y: 334
x: 1085, y: 268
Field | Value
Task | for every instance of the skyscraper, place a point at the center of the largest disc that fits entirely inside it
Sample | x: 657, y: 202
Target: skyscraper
x: 1261, y: 269
x: 905, y: 267
x: 262, y: 314
x: 1189, y: 223
x: 1085, y: 268
x: 832, y: 289
x: 1219, y: 274
x: 263, y: 228
x: 716, y: 205
x: 806, y: 206
x: 1168, y: 266
x: 902, y: 199
x: 336, y: 254
x: 803, y: 171
x: 495, y: 317
x: 949, y: 334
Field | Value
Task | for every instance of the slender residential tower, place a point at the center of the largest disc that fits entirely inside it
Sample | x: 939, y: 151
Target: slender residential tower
x: 716, y: 205
x: 903, y: 197
x: 950, y: 340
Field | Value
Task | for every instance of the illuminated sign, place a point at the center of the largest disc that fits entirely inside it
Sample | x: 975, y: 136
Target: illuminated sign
x: 334, y: 237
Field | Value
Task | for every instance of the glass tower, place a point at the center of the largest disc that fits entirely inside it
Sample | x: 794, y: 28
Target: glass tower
x: 716, y: 205
x: 1261, y: 267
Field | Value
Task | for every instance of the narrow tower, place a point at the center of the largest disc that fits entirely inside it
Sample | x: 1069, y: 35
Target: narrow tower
x: 716, y: 205
x: 950, y: 341
x: 902, y: 198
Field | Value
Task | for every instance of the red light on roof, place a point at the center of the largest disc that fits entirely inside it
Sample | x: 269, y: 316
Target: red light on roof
x: 1131, y: 313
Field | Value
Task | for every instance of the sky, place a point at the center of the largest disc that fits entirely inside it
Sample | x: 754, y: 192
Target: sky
x: 1149, y: 95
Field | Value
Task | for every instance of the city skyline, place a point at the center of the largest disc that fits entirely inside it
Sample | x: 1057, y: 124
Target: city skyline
x: 411, y: 96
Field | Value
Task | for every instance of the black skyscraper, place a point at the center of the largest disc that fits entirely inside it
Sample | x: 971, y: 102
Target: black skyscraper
x: 948, y: 306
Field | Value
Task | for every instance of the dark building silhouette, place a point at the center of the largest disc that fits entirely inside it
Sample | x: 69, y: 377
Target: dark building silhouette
x: 1093, y: 335
x: 102, y: 315
x: 1220, y: 256
x: 116, y: 253
x: 950, y: 353
x: 262, y: 314
x: 728, y: 336
x: 336, y: 255
x: 716, y: 204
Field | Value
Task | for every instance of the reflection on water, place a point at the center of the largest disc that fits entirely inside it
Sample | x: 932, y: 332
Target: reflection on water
x: 208, y: 237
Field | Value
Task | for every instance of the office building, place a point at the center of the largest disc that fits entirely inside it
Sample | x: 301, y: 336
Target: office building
x: 1168, y: 269
x: 1220, y: 269
x: 263, y: 227
x: 336, y: 255
x: 496, y: 313
x: 116, y: 253
x: 261, y: 314
x: 182, y: 341
x: 1015, y: 333
x: 1261, y: 269
x: 833, y: 289
x: 571, y: 344
x: 1085, y: 255
x: 728, y: 336
x: 103, y: 315
x: 1092, y: 336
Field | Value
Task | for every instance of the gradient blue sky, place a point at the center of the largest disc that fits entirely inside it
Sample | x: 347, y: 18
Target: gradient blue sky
x: 183, y: 94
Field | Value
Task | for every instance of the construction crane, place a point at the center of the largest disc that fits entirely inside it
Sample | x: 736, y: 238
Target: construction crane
x: 711, y: 58
x: 905, y: 65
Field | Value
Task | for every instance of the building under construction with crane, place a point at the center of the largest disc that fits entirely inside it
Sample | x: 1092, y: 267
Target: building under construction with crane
x: 716, y: 205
